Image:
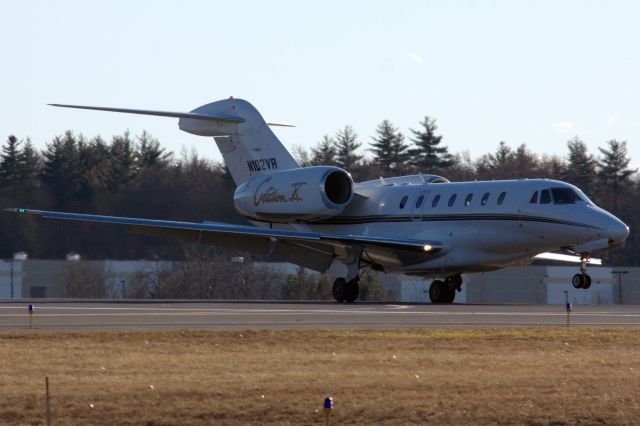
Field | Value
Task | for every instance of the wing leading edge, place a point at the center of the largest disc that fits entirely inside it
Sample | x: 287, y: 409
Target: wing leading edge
x: 309, y: 249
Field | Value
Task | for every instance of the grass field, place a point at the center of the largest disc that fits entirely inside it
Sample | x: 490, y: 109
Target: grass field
x: 506, y: 376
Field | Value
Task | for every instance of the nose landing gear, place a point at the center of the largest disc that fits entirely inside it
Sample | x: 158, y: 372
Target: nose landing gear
x: 582, y: 280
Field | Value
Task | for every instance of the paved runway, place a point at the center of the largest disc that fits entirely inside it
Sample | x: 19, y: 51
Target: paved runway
x: 82, y: 316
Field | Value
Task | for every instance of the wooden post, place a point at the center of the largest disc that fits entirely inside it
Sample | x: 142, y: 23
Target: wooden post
x: 48, y: 414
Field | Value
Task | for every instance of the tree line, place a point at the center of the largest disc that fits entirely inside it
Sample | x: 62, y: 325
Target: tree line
x: 135, y: 176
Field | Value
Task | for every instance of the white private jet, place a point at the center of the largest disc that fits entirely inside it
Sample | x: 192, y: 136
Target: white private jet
x: 419, y: 225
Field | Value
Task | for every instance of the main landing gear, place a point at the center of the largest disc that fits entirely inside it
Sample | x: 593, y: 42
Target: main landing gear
x: 346, y: 291
x: 445, y: 291
x: 582, y: 279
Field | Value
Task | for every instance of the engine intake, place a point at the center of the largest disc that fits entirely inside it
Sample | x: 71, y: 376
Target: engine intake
x: 306, y: 194
x: 338, y: 187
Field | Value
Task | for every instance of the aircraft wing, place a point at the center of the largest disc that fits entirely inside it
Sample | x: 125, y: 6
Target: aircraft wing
x: 310, y: 249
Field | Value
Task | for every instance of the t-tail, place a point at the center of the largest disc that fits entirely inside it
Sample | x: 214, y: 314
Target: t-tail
x: 246, y: 142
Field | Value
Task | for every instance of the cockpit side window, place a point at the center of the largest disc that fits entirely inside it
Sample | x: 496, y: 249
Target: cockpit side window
x: 564, y: 196
x: 545, y: 196
x: 434, y: 203
x: 403, y: 202
x: 534, y: 198
x: 485, y: 199
x: 501, y: 198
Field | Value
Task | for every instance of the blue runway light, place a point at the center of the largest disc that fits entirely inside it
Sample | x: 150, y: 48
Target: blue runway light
x: 30, y: 309
x: 569, y: 307
x: 328, y: 403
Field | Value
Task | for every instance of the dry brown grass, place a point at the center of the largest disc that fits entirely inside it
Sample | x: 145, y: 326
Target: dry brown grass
x: 506, y: 376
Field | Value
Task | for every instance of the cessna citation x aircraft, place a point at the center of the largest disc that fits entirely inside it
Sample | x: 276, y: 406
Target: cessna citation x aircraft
x: 419, y: 225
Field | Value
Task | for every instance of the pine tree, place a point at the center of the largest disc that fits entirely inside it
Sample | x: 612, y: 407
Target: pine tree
x: 61, y: 169
x: 428, y: 155
x: 95, y: 163
x: 324, y: 153
x: 123, y: 161
x: 503, y: 156
x: 389, y: 147
x: 498, y: 165
x: 149, y: 153
x: 525, y: 163
x: 614, y: 172
x: 346, y: 146
x: 10, y: 163
x: 29, y: 165
x: 581, y: 167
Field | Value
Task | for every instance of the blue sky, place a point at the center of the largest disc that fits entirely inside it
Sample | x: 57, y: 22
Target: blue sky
x: 534, y: 72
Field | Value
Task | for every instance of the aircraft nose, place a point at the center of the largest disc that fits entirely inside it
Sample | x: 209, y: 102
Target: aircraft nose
x: 618, y: 231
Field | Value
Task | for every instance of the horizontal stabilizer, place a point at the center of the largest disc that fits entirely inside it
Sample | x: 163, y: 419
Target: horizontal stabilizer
x: 159, y: 113
x: 559, y: 257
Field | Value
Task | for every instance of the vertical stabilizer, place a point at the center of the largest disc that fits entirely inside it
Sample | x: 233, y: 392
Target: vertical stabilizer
x: 247, y: 144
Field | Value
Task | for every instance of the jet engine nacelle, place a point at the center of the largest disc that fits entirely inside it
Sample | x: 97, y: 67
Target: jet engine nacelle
x: 309, y: 194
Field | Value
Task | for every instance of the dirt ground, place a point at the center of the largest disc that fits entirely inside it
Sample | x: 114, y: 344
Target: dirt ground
x: 504, y: 376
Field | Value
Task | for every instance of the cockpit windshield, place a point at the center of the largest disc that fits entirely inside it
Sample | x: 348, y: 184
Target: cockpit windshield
x: 565, y: 196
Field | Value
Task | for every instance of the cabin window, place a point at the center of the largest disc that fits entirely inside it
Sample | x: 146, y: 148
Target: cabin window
x: 564, y: 196
x: 545, y: 196
x: 501, y: 198
x: 435, y: 201
x: 484, y: 199
x: 534, y: 198
x: 467, y: 201
x: 419, y: 201
x: 403, y: 202
x: 452, y: 200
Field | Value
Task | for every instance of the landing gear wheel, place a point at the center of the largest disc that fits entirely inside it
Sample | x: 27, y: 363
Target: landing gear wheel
x: 339, y: 289
x: 581, y: 281
x: 441, y: 292
x: 578, y: 281
x: 352, y: 291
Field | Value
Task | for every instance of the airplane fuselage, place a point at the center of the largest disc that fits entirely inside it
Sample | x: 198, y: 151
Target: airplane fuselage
x: 482, y: 225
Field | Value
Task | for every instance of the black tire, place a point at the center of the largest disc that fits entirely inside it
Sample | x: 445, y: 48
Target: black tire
x: 441, y: 292
x: 587, y: 282
x: 339, y: 289
x: 435, y: 291
x: 438, y: 292
x: 352, y: 291
x: 577, y: 281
